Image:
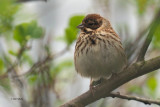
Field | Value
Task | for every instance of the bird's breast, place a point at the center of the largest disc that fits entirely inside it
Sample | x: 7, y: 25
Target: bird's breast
x: 95, y: 56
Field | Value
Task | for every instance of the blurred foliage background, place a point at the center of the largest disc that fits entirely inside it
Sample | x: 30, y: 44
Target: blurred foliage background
x: 36, y: 62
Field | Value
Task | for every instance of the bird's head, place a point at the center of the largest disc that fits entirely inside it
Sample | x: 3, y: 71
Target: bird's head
x: 92, y: 22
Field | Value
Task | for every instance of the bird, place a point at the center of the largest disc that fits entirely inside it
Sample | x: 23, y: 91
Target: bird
x: 99, y: 53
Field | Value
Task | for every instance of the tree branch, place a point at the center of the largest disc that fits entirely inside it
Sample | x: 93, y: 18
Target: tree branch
x: 103, y: 90
x: 148, y: 40
x: 143, y: 100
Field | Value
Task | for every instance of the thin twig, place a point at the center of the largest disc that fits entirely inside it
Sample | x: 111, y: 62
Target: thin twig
x: 43, y: 62
x: 148, y: 40
x: 18, y: 58
x: 128, y: 97
x: 37, y: 65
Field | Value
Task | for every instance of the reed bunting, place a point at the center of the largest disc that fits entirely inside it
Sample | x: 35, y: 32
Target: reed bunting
x: 98, y: 51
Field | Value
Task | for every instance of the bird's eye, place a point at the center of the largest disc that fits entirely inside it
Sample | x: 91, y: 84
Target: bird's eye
x: 91, y: 24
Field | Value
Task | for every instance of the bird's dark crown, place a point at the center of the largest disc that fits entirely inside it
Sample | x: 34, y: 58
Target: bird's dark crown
x: 92, y: 21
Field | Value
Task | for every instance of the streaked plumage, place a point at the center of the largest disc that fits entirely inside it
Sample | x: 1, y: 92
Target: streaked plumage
x: 98, y: 52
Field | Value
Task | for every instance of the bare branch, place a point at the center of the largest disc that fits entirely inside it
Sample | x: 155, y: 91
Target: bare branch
x: 103, y: 90
x: 143, y: 100
x: 148, y: 40
x: 39, y: 64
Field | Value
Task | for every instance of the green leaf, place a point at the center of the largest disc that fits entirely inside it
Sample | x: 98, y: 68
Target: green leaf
x: 156, y: 39
x: 135, y: 89
x: 5, y: 83
x: 141, y: 6
x: 75, y: 21
x: 27, y: 58
x: 71, y: 31
x: 7, y: 11
x: 27, y: 31
x: 32, y: 79
x: 152, y: 83
x: 12, y: 52
x: 1, y: 65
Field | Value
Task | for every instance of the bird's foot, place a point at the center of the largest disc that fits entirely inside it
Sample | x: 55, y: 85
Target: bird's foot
x: 93, y: 84
x: 92, y: 89
x: 114, y: 75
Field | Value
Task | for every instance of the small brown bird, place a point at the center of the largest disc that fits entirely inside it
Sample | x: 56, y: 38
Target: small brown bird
x: 98, y: 52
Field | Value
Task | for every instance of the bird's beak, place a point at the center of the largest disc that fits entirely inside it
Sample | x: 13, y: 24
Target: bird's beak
x: 80, y: 26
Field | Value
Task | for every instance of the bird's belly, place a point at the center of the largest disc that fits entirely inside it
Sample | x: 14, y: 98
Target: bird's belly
x: 99, y: 62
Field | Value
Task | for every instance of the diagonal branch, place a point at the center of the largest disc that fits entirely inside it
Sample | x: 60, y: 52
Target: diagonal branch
x: 143, y: 100
x: 148, y: 40
x: 133, y: 71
